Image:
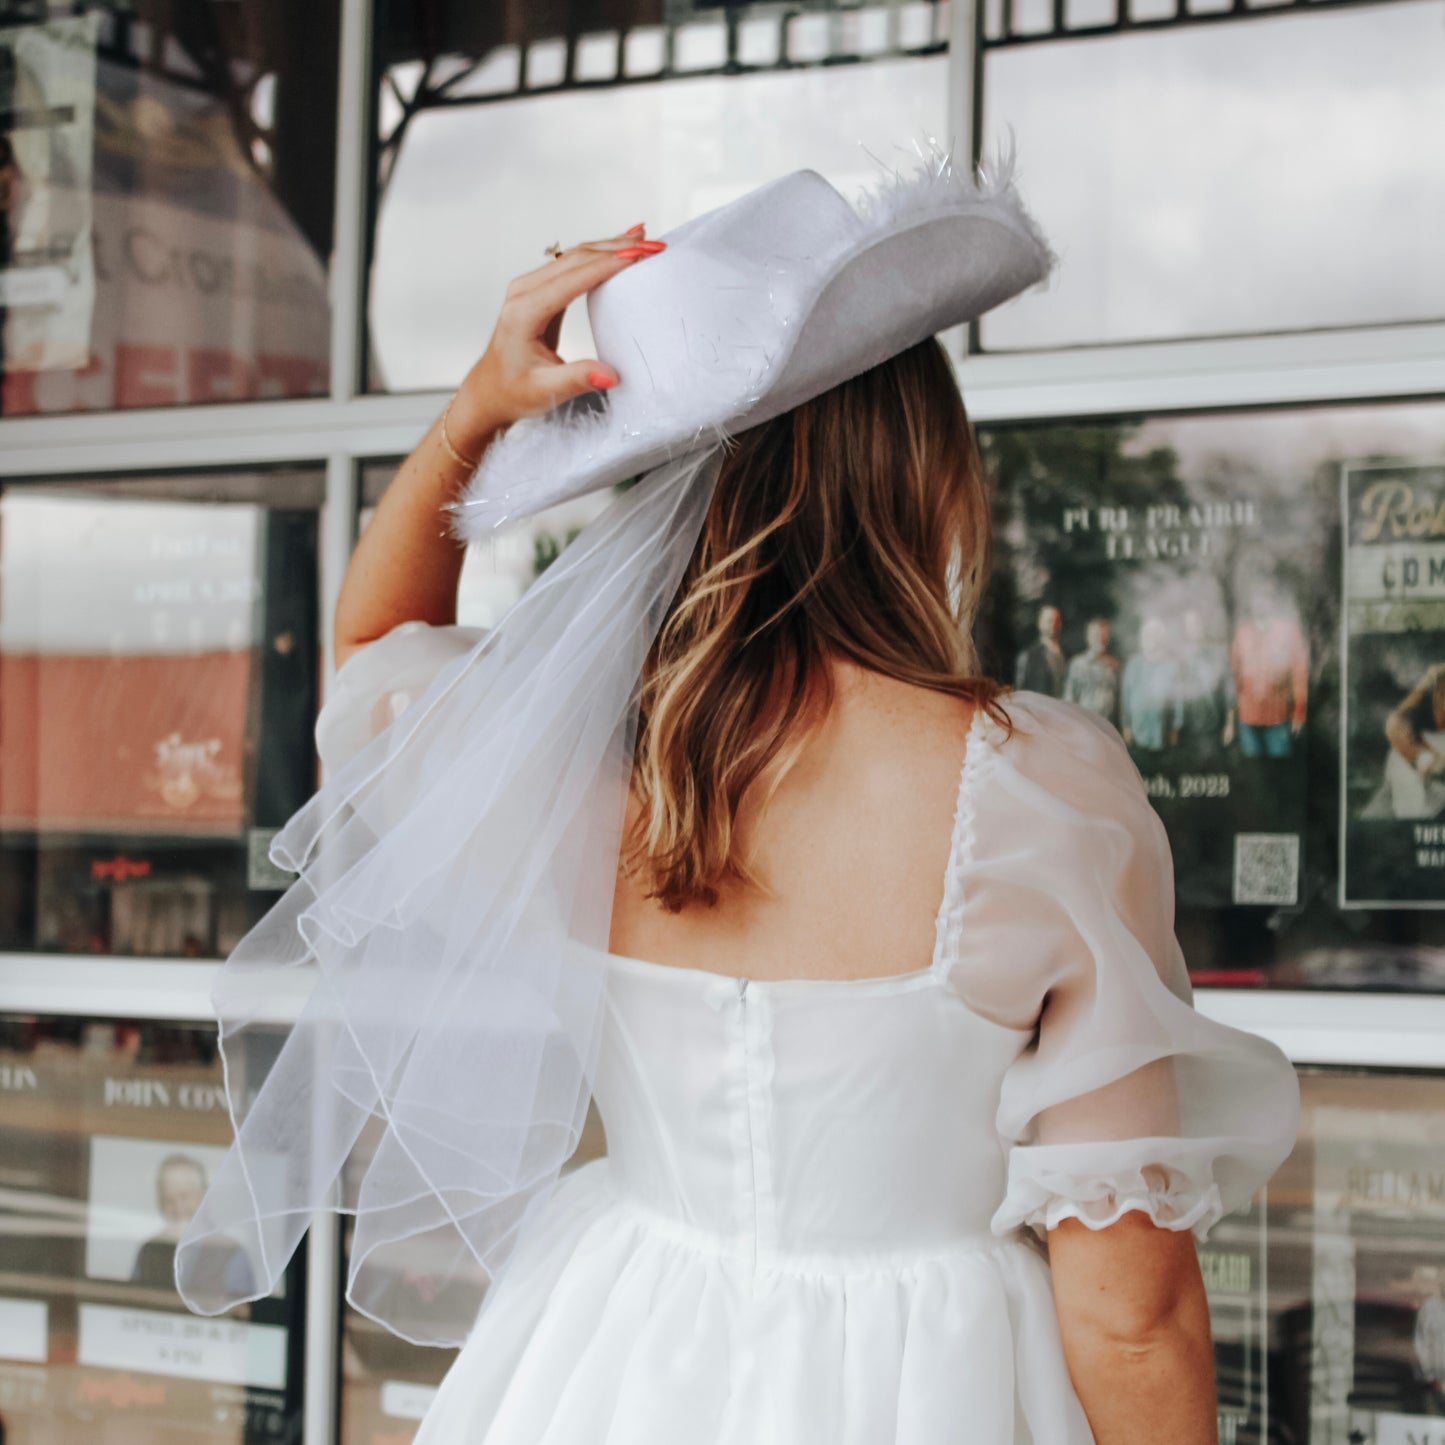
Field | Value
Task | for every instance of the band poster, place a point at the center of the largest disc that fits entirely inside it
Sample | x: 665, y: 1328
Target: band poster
x: 1377, y: 1352
x: 1177, y: 610
x: 1392, y: 774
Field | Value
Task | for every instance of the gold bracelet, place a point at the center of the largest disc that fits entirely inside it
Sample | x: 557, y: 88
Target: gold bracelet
x: 452, y: 452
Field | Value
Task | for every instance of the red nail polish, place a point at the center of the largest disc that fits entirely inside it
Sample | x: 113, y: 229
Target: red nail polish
x: 636, y: 230
x: 600, y: 380
x: 652, y: 247
x: 631, y: 253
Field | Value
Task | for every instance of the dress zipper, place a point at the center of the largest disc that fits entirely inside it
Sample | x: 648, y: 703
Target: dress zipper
x: 752, y: 1235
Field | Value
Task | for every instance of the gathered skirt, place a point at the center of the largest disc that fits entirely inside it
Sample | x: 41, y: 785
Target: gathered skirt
x: 618, y: 1326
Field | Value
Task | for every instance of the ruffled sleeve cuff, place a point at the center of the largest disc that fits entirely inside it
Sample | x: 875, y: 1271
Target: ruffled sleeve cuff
x: 1170, y: 1180
x: 379, y: 681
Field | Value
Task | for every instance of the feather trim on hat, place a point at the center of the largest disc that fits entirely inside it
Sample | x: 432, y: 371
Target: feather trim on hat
x: 934, y: 183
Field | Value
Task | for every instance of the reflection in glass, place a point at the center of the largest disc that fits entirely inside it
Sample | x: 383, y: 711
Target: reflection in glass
x: 1256, y: 175
x: 388, y: 1383
x: 166, y: 184
x: 654, y: 122
x: 1184, y: 578
x: 159, y: 654
x: 1356, y: 1289
x: 496, y: 572
x: 110, y: 1131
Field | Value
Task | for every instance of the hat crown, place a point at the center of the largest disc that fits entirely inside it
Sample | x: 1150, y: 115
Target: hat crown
x: 691, y: 314
x: 800, y: 209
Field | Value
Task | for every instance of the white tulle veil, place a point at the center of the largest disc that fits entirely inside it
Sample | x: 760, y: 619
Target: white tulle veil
x: 454, y: 898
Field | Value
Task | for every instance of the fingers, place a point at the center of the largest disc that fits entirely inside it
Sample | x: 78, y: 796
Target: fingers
x: 556, y: 384
x: 532, y: 306
x: 569, y: 258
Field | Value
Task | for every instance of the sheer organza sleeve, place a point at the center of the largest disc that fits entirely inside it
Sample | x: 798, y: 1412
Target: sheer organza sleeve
x: 1126, y: 1098
x: 377, y: 683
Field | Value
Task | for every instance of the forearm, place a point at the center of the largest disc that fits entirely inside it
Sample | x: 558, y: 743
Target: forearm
x: 407, y: 563
x: 1401, y: 735
x: 1158, y: 1388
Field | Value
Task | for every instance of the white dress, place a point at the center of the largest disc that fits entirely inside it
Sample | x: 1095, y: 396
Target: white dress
x: 820, y: 1215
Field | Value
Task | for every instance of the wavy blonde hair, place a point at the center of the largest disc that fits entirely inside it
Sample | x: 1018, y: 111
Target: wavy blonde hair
x: 854, y: 526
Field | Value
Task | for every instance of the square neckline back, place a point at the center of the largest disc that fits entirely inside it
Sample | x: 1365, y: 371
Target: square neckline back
x: 947, y: 920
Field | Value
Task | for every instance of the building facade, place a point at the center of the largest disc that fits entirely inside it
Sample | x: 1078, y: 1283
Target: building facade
x: 248, y: 248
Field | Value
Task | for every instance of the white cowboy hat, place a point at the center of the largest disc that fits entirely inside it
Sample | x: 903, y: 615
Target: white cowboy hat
x: 756, y: 307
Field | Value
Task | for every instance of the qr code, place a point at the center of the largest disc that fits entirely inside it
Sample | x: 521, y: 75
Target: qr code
x: 1266, y: 867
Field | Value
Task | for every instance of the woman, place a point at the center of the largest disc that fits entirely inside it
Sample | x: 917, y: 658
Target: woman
x: 893, y: 989
x: 869, y: 966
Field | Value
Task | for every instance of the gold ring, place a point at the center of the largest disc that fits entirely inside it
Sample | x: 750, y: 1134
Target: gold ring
x: 554, y: 250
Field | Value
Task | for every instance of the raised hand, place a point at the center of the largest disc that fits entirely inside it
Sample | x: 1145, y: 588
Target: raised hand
x: 520, y: 373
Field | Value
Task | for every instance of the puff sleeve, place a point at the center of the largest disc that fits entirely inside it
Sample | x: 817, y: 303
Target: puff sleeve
x: 377, y: 683
x: 1125, y: 1097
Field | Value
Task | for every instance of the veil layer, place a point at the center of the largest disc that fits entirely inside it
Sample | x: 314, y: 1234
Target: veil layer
x: 453, y: 903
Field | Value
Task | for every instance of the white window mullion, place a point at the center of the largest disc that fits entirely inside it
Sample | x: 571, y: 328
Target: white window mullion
x: 338, y: 532
x: 350, y: 243
x: 84, y: 985
x: 1317, y: 367
x: 1325, y: 367
x: 1373, y: 1030
x: 237, y: 435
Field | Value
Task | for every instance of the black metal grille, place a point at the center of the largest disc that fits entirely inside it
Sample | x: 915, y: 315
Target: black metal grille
x: 689, y: 39
x: 1031, y: 22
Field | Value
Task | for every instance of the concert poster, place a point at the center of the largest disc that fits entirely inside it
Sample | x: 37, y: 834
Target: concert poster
x: 1180, y: 609
x: 1392, y: 706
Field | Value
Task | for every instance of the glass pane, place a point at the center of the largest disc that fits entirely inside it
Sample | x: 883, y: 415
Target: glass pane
x: 110, y: 1130
x: 159, y: 655
x: 166, y: 190
x: 497, y: 570
x: 387, y: 1383
x: 1189, y: 578
x: 1355, y: 1293
x: 451, y: 231
x: 1257, y: 175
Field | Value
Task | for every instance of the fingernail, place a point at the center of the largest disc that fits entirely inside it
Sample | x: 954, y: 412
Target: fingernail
x: 631, y: 253
x: 636, y: 230
x: 600, y: 380
x: 653, y: 246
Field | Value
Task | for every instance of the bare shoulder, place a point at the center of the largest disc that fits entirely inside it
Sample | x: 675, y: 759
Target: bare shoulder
x: 896, y: 729
x: 851, y: 847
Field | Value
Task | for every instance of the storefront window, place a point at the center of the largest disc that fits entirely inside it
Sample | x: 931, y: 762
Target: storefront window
x: 1354, y: 1299
x: 159, y: 655
x: 497, y: 570
x: 166, y: 191
x: 111, y: 1129
x: 656, y: 111
x: 1259, y: 173
x: 1257, y: 601
x: 387, y: 1383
